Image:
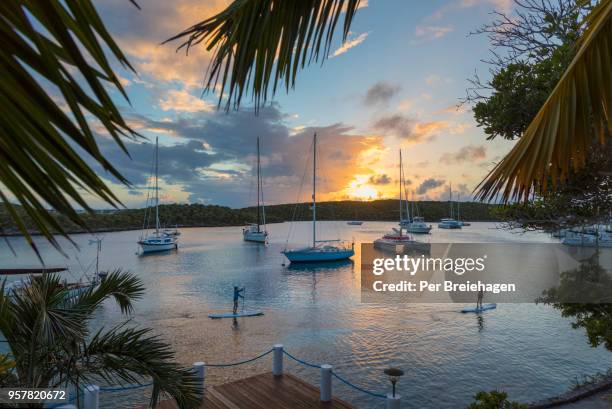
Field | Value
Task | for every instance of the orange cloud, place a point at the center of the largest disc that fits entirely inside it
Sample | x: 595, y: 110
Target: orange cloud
x: 181, y: 100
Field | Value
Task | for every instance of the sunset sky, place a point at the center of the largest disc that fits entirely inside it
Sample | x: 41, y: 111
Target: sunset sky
x: 395, y: 84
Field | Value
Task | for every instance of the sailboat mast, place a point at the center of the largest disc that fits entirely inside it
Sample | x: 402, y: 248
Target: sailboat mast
x: 400, y: 188
x: 314, y: 190
x: 450, y: 199
x: 458, y: 204
x: 156, y: 185
x: 258, y: 215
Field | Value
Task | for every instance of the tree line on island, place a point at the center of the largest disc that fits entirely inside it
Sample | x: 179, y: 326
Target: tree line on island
x: 199, y: 215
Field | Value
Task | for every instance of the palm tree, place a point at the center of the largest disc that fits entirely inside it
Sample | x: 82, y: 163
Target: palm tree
x: 46, y: 137
x: 50, y: 344
x: 249, y: 36
x: 259, y: 43
x: 574, y: 117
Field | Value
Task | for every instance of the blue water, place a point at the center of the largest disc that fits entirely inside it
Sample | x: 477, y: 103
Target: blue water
x: 527, y: 350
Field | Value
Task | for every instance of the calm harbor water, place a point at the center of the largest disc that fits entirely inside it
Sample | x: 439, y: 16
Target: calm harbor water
x: 527, y: 350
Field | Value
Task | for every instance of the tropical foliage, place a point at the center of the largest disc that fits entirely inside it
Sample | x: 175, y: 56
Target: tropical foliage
x: 260, y: 44
x: 584, y: 294
x: 195, y: 214
x: 46, y: 137
x: 494, y: 400
x: 50, y: 344
x: 573, y: 117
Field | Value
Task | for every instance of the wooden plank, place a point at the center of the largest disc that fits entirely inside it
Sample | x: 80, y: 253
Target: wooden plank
x: 264, y: 391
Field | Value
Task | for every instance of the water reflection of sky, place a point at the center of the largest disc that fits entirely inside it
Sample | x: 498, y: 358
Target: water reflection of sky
x: 527, y: 350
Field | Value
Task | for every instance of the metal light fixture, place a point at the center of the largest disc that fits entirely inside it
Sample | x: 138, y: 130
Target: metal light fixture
x: 394, y: 374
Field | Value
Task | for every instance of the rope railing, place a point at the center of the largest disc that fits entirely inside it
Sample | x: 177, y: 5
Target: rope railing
x: 199, y: 368
x: 341, y: 379
x: 301, y: 361
x: 241, y: 362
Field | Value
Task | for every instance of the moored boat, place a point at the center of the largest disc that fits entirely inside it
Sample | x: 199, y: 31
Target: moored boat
x: 321, y: 250
x: 156, y: 241
x: 254, y: 231
x: 397, y: 241
x: 450, y: 222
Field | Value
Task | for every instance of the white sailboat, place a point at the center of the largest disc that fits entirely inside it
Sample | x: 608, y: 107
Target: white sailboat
x: 157, y: 240
x: 321, y: 250
x: 449, y: 223
x: 253, y: 231
x: 414, y: 223
x: 398, y: 241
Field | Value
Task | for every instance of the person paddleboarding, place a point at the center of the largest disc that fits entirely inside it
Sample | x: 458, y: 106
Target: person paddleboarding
x: 237, y: 295
x: 479, y: 299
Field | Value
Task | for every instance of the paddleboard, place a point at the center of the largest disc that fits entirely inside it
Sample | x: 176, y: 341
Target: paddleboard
x: 483, y: 308
x: 252, y: 313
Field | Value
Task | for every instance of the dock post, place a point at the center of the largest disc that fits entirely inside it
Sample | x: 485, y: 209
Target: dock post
x: 277, y: 361
x: 326, y: 383
x: 199, y: 368
x: 394, y: 402
x: 91, y: 397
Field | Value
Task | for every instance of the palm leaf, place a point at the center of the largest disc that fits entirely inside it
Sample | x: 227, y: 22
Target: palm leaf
x: 44, y: 145
x: 261, y: 43
x: 575, y: 115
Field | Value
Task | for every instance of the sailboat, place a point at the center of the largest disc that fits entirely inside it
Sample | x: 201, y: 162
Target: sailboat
x: 398, y: 240
x: 321, y: 250
x: 413, y: 222
x: 253, y: 232
x: 157, y: 240
x: 449, y: 223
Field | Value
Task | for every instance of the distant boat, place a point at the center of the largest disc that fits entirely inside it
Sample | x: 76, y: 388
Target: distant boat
x: 354, y: 223
x: 413, y: 223
x: 157, y: 240
x: 450, y: 223
x: 253, y: 231
x: 172, y: 232
x: 321, y: 250
x: 398, y: 241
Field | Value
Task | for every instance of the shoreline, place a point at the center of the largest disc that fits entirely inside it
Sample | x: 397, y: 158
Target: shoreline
x: 121, y: 229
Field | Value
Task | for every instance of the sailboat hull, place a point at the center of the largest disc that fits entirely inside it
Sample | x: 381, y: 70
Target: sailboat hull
x: 256, y: 237
x: 155, y: 248
x: 313, y: 255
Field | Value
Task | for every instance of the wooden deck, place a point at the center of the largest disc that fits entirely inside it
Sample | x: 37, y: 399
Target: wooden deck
x: 264, y: 392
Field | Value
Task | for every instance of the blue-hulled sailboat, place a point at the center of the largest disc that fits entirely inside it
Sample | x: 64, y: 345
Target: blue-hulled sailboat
x: 321, y: 250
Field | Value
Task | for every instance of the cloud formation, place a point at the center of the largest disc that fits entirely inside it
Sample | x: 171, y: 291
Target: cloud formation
x: 429, y: 184
x: 409, y: 129
x: 470, y: 153
x: 210, y: 156
x: 350, y: 43
x: 380, y: 93
x: 431, y: 32
x: 383, y: 179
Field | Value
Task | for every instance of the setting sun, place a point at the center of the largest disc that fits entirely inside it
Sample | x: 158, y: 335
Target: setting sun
x: 364, y: 192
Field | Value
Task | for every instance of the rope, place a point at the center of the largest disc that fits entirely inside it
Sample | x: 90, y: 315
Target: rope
x: 377, y: 395
x: 241, y: 362
x: 300, y: 361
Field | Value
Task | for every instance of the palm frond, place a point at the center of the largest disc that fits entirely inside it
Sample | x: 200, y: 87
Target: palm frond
x: 124, y: 287
x: 575, y: 115
x: 129, y: 355
x: 44, y: 143
x: 259, y: 43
